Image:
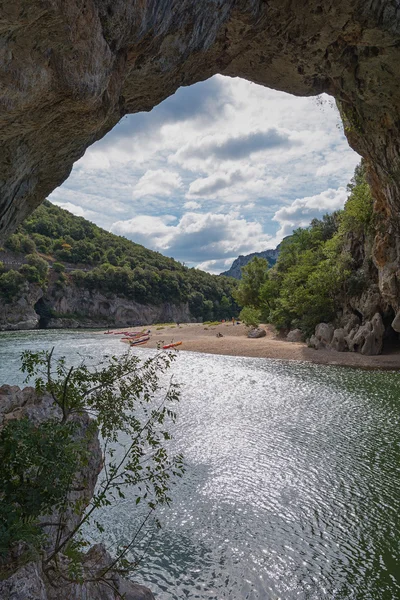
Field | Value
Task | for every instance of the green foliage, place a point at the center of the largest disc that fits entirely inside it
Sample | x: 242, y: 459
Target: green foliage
x: 313, y: 274
x: 123, y: 396
x: 357, y: 214
x: 254, y: 275
x: 11, y: 283
x: 58, y: 267
x: 38, y: 463
x: 30, y: 273
x: 40, y: 265
x: 114, y: 265
x: 250, y: 316
x: 19, y: 242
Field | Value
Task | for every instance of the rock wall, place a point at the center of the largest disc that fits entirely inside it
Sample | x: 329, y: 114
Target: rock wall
x: 241, y: 261
x: 29, y: 582
x: 21, y: 314
x: 367, y: 320
x: 71, y: 70
x: 75, y: 308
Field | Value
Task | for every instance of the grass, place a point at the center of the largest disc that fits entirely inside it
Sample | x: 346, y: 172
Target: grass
x: 212, y: 323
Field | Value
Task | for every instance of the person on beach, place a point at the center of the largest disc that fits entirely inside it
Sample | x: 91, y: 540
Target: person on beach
x: 233, y: 320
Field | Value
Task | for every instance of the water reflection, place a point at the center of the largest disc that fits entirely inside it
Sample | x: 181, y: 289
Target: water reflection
x: 291, y: 490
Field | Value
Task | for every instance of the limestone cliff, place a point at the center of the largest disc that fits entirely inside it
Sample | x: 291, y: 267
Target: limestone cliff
x: 71, y: 70
x: 241, y: 261
x: 366, y: 322
x: 72, y: 307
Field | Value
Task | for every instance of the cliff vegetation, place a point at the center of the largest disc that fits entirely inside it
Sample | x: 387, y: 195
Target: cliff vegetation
x: 57, y: 477
x: 324, y: 273
x: 57, y: 251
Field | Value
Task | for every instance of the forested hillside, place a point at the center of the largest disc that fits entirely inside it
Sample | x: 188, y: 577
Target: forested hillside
x: 324, y: 273
x: 53, y: 246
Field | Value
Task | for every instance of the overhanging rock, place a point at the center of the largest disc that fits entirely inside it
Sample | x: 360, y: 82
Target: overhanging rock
x: 70, y: 69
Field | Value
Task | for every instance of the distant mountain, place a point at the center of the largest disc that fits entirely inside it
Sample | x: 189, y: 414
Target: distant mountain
x: 236, y: 268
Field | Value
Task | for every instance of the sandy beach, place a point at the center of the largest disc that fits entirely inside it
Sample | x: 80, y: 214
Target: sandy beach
x: 199, y: 337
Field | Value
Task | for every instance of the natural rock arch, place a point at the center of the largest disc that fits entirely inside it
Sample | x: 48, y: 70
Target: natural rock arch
x: 70, y: 69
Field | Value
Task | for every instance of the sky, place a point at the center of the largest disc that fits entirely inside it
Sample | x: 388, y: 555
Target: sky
x: 222, y: 168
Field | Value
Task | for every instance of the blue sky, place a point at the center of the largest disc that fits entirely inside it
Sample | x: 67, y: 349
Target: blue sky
x: 222, y: 168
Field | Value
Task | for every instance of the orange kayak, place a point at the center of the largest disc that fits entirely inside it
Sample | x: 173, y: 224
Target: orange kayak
x: 172, y: 345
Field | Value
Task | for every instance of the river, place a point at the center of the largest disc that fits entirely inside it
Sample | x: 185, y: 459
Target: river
x: 292, y: 483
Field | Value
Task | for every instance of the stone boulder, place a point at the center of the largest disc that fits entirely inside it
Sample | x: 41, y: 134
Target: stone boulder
x: 296, y: 335
x: 30, y: 583
x: 314, y: 342
x: 368, y: 338
x: 258, y: 332
x: 339, y: 342
x: 350, y: 321
x: 396, y: 322
x: 324, y: 333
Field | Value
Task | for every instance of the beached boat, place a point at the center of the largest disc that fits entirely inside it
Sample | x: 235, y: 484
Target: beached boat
x: 172, y: 345
x: 141, y: 340
x: 139, y: 343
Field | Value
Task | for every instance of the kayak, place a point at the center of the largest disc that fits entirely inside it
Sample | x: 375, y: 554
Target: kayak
x: 141, y: 340
x: 132, y: 336
x: 172, y: 345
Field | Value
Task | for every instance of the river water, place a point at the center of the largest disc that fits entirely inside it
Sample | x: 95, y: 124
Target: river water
x: 292, y: 483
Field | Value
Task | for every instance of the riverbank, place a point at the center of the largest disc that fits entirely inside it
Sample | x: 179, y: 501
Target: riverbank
x: 199, y: 337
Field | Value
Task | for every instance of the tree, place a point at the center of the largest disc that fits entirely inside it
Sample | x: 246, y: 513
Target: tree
x: 40, y: 265
x: 250, y: 316
x: 11, y: 283
x: 225, y: 308
x: 131, y: 409
x: 208, y: 310
x: 254, y: 275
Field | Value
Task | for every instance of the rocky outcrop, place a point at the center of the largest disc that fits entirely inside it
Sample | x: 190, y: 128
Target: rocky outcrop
x: 296, y: 335
x: 29, y: 582
x: 367, y: 338
x: 72, y: 307
x: 257, y: 332
x: 112, y: 310
x: 71, y: 70
x: 21, y: 314
x: 241, y: 261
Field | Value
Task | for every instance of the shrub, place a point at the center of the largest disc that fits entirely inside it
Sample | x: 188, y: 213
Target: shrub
x: 39, y: 263
x: 38, y: 465
x: 250, y: 316
x: 10, y: 285
x: 58, y: 267
x: 30, y: 273
x: 39, y: 462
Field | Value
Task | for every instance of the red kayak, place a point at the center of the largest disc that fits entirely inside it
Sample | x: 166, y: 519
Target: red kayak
x: 172, y: 345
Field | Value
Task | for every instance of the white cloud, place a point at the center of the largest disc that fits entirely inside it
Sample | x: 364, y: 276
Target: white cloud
x: 216, y: 266
x: 210, y: 186
x: 160, y: 182
x: 196, y: 237
x: 301, y: 212
x: 191, y: 205
x: 221, y: 145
